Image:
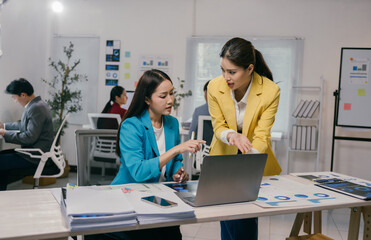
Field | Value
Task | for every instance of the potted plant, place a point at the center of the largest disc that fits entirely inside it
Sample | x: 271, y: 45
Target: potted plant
x: 63, y: 99
x: 179, y: 95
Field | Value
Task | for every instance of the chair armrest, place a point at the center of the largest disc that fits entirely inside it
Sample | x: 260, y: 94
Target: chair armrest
x: 28, y: 151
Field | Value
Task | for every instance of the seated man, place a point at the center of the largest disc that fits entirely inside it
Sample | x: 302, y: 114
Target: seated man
x: 202, y: 110
x: 35, y: 130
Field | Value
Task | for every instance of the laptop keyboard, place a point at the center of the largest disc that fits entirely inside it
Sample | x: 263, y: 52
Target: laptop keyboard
x: 186, y: 196
x: 190, y: 199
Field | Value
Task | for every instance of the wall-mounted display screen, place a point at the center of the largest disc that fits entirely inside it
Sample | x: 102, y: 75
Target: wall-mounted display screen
x: 112, y: 67
x: 112, y: 82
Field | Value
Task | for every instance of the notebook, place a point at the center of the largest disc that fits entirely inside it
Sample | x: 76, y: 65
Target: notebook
x: 224, y: 179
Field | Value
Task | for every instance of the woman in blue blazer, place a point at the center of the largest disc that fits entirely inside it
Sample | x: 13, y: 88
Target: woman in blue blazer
x: 149, y: 144
x: 148, y: 139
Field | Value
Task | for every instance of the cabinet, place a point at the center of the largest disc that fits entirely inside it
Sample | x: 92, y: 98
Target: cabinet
x: 305, y: 122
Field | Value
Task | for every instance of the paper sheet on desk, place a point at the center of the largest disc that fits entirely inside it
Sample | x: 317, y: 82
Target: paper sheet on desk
x: 143, y: 187
x: 277, y: 191
x: 94, y: 208
x: 86, y: 200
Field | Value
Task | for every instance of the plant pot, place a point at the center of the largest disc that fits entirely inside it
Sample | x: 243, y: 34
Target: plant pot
x: 42, y: 181
x: 67, y: 169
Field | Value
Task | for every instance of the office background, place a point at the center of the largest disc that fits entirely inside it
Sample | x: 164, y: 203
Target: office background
x: 162, y: 27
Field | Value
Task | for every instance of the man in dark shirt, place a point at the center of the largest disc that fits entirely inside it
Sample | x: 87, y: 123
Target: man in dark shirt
x: 202, y: 110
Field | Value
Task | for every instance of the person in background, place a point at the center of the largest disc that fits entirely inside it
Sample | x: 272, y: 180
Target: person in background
x: 118, y: 97
x: 202, y: 110
x: 243, y: 103
x: 35, y: 130
x: 149, y: 145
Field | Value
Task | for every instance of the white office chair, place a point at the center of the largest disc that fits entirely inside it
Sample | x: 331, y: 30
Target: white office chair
x: 104, y: 149
x: 204, y: 132
x: 55, y: 154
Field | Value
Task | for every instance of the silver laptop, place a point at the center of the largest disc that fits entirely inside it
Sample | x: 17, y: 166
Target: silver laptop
x: 224, y: 179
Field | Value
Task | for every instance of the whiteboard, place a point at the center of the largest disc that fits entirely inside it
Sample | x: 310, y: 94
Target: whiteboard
x: 87, y: 50
x: 355, y: 88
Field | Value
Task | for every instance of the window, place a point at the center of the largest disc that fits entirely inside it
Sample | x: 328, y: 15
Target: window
x: 283, y: 56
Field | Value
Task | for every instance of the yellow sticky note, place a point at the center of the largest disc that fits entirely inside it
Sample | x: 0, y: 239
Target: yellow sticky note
x: 361, y: 92
x: 127, y: 65
x: 127, y: 75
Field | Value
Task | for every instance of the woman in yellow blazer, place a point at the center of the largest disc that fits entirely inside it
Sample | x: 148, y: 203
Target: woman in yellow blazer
x: 242, y: 104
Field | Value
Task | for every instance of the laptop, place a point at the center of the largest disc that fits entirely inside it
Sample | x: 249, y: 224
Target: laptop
x: 224, y: 179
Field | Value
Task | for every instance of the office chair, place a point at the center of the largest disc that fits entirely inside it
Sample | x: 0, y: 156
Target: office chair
x: 55, y: 154
x: 204, y: 132
x: 104, y: 148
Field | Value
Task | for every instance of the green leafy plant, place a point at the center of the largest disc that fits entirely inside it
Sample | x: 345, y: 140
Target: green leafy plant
x: 63, y: 99
x: 179, y: 95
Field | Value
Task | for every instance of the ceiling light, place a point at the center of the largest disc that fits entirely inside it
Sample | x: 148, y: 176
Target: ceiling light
x: 57, y: 7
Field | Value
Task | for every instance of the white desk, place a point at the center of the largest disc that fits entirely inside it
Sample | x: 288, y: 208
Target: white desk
x: 35, y: 214
x: 83, y: 137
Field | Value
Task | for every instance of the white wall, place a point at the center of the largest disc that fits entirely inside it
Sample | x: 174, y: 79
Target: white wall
x: 162, y: 27
x: 24, y: 37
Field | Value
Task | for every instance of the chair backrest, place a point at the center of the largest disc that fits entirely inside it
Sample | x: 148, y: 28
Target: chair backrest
x: 205, y: 132
x: 205, y: 129
x: 104, y: 120
x: 104, y: 147
x: 55, y: 154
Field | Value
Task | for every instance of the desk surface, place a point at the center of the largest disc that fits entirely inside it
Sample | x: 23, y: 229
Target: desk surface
x: 35, y: 214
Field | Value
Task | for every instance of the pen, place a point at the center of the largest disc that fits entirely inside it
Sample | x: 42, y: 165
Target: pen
x: 192, y: 138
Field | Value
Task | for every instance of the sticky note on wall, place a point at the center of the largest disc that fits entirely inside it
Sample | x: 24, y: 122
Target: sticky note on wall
x: 361, y: 92
x: 347, y: 106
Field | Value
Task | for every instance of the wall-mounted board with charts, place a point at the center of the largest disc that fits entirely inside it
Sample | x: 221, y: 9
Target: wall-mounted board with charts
x: 354, y: 88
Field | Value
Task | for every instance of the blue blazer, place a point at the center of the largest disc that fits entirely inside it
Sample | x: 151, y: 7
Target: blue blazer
x: 139, y: 151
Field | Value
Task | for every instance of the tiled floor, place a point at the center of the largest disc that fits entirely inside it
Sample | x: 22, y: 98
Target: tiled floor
x: 334, y: 222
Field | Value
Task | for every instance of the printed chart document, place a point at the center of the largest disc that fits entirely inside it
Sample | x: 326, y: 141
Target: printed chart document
x: 277, y: 191
x: 352, y: 186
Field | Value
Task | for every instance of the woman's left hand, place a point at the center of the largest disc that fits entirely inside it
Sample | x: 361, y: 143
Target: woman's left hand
x: 180, y: 175
x: 240, y: 141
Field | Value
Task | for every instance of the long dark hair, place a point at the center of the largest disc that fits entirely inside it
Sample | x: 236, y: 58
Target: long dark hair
x: 115, y: 92
x: 147, y: 85
x: 242, y: 53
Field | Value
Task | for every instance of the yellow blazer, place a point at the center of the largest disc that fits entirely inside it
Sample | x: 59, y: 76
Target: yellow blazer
x: 262, y: 103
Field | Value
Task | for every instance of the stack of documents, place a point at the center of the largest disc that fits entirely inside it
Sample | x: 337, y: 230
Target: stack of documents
x: 113, y: 206
x: 148, y: 213
x: 94, y: 208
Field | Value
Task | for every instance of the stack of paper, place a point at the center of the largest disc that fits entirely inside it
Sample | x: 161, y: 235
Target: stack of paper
x: 93, y: 208
x: 148, y: 213
x: 120, y: 205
